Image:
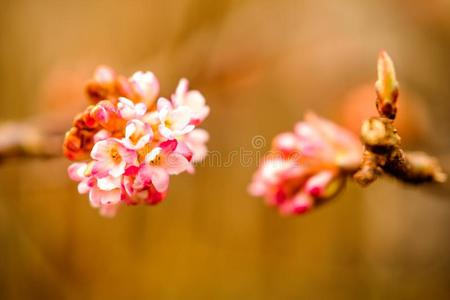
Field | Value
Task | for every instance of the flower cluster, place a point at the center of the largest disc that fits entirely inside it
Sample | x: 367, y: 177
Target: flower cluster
x: 307, y: 166
x: 130, y: 140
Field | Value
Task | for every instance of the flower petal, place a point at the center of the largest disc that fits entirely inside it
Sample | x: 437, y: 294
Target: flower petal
x: 180, y: 117
x: 176, y: 163
x: 160, y: 179
x: 100, y: 151
x: 108, y: 183
x: 153, y: 154
x: 77, y: 171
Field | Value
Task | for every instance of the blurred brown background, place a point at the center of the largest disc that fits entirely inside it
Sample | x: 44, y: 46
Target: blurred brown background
x: 261, y: 65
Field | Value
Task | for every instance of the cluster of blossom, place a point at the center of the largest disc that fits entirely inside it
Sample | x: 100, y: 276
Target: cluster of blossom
x: 130, y: 140
x: 307, y: 166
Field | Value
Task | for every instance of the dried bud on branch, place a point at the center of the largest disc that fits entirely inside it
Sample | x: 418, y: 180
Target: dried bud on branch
x: 310, y: 165
x: 382, y: 151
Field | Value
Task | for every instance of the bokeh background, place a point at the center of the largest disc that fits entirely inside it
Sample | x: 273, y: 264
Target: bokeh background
x: 261, y: 65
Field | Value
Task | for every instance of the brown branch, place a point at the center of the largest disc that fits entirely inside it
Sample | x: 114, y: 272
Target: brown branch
x: 28, y: 140
x: 382, y: 150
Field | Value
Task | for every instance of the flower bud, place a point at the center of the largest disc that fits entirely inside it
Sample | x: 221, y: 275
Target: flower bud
x: 386, y: 87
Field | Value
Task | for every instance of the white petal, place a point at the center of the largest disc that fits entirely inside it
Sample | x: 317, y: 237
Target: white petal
x: 108, y: 183
x: 117, y: 169
x: 165, y: 132
x: 152, y: 155
x: 180, y: 117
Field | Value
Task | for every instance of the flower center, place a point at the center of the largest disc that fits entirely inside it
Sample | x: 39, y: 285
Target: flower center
x: 168, y: 123
x: 156, y: 161
x: 115, y: 155
x: 135, y: 137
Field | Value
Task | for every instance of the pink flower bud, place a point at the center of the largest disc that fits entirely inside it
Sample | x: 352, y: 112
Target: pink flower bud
x: 320, y: 154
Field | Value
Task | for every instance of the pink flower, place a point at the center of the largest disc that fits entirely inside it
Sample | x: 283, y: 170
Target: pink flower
x: 145, y: 184
x: 167, y: 158
x: 111, y: 158
x: 104, y: 193
x: 156, y: 176
x: 81, y: 173
x: 327, y: 142
x: 146, y: 85
x: 129, y: 110
x: 134, y: 145
x: 174, y: 121
x: 137, y: 134
x: 307, y: 167
x: 192, y: 99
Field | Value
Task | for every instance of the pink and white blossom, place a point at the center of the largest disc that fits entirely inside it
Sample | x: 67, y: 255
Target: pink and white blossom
x: 306, y: 167
x: 137, y: 134
x: 136, y: 145
x: 192, y: 99
x: 129, y: 110
x: 174, y: 121
x: 111, y: 157
x: 165, y: 157
x: 146, y: 85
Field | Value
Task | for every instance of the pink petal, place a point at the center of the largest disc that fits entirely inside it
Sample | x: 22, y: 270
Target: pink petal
x: 286, y: 142
x: 160, y: 179
x: 316, y: 185
x: 109, y: 211
x: 98, y: 197
x: 176, y: 163
x: 101, y: 168
x: 117, y: 170
x: 195, y: 100
x: 77, y: 171
x: 164, y: 104
x: 128, y: 185
x: 146, y: 85
x: 184, y: 150
x: 100, y: 151
x: 168, y: 146
x: 129, y: 156
x: 154, y: 197
x: 86, y: 185
x: 300, y: 204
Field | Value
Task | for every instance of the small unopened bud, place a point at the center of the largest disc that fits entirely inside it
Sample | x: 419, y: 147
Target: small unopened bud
x: 102, y: 86
x: 104, y: 75
x: 386, y: 87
